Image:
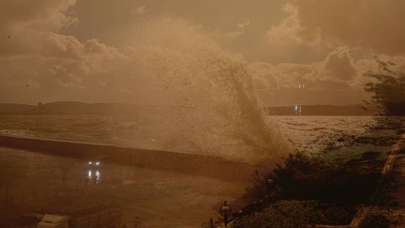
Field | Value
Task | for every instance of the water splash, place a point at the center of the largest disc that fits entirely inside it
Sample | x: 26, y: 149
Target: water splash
x: 212, y: 111
x: 207, y: 103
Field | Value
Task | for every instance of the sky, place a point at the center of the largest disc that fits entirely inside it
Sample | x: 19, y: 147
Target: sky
x: 140, y: 51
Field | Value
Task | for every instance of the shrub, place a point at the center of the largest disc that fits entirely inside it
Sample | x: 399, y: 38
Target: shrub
x: 336, y: 188
x: 283, y: 214
x: 375, y: 221
x: 388, y: 89
x: 303, y: 177
x: 297, y: 214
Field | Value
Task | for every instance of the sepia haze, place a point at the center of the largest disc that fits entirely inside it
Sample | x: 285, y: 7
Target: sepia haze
x: 211, y: 66
x: 181, y: 113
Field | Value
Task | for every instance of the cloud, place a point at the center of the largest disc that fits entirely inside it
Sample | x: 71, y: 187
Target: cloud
x: 141, y: 10
x: 335, y: 79
x: 32, y: 27
x: 286, y: 33
x: 285, y: 44
x: 39, y: 15
x: 240, y: 25
x: 285, y: 75
x: 164, y: 53
x: 368, y: 24
x: 339, y: 65
x: 64, y: 46
x: 40, y: 62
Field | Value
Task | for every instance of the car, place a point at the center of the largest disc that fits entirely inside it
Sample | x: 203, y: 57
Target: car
x: 94, y: 171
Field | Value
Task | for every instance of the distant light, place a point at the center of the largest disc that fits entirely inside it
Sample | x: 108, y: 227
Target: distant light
x: 89, y: 174
x: 297, y: 109
x: 90, y: 163
x: 98, y: 163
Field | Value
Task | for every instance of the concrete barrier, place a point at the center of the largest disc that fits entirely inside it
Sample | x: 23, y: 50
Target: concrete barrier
x: 192, y: 164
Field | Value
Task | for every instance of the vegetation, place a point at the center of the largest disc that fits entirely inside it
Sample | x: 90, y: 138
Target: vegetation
x: 308, y: 190
x: 388, y: 89
x: 373, y: 220
x: 295, y: 214
x: 303, y: 177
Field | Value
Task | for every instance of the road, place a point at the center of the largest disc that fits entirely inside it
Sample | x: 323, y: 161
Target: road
x: 153, y: 198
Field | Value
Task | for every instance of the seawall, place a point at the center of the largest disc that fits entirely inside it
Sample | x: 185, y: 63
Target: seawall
x: 191, y: 164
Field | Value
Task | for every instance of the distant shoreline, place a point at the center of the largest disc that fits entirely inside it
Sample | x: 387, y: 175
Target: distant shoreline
x: 79, y: 108
x: 323, y: 110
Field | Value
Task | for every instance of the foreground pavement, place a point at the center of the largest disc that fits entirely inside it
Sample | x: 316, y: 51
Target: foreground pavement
x: 150, y: 198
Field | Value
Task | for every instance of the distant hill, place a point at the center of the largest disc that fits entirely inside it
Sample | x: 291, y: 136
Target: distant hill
x: 74, y: 108
x: 79, y: 108
x: 323, y: 110
x: 83, y: 108
x: 16, y: 108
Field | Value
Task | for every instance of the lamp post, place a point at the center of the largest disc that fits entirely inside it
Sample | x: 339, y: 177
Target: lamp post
x: 226, y: 212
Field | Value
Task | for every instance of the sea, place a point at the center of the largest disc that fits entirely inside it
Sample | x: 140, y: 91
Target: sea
x: 311, y: 134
